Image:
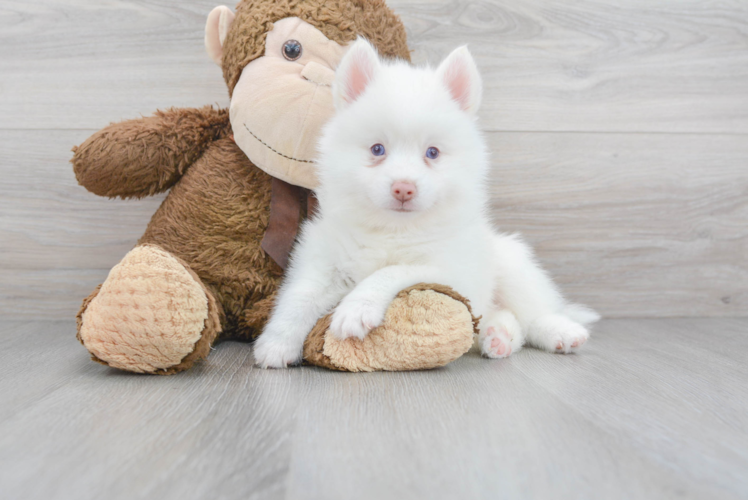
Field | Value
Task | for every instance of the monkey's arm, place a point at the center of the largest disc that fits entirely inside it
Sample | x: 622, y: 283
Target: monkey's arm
x: 145, y: 156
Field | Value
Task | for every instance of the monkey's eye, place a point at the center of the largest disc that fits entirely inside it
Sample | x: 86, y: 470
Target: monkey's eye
x: 377, y: 150
x: 432, y: 153
x: 291, y: 50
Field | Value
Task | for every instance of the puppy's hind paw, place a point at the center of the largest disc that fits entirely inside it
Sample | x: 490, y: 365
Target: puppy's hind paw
x: 559, y: 334
x: 496, y: 344
x: 500, y: 335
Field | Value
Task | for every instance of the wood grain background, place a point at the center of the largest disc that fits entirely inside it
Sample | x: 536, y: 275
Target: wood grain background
x: 632, y: 417
x: 619, y: 132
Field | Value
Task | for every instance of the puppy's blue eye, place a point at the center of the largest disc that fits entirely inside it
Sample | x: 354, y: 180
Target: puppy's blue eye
x: 432, y: 153
x: 377, y: 150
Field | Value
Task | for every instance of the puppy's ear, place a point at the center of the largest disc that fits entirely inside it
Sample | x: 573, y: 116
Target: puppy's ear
x: 460, y: 75
x: 216, y: 29
x: 355, y: 72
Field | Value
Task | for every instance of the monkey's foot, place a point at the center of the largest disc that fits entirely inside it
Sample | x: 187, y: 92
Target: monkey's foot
x: 426, y: 326
x: 151, y: 315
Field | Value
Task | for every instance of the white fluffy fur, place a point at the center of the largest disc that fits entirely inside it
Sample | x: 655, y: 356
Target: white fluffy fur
x: 364, y: 246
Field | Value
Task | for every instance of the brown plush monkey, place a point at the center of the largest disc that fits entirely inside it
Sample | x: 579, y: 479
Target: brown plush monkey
x: 213, y: 254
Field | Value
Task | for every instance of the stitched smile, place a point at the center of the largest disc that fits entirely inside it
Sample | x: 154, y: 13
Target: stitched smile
x: 274, y: 150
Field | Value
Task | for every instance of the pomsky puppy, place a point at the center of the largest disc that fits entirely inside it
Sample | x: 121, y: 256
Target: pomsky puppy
x: 403, y: 200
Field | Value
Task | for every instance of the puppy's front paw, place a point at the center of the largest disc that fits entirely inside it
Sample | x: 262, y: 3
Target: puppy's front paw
x: 271, y: 352
x: 556, y: 333
x: 356, y: 317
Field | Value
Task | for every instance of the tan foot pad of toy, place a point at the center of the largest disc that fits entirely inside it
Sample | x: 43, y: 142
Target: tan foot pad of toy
x: 426, y: 326
x: 151, y: 315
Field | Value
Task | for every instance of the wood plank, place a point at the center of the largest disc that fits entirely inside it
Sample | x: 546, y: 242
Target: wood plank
x: 150, y: 433
x: 86, y: 63
x: 646, y: 399
x: 632, y: 224
x: 42, y: 352
x: 676, y: 388
x: 476, y: 430
x: 47, y: 220
x: 47, y: 293
x: 595, y: 65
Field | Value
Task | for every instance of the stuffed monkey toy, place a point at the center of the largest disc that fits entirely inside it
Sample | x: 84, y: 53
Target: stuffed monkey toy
x: 239, y: 182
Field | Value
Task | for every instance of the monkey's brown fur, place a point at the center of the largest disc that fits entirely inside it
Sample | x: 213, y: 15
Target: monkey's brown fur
x: 339, y: 20
x: 216, y: 214
x: 145, y: 156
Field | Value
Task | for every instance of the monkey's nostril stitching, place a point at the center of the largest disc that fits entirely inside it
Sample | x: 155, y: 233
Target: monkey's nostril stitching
x: 318, y: 74
x: 310, y: 80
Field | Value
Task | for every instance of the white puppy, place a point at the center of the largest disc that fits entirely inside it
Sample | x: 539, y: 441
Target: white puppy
x: 403, y: 200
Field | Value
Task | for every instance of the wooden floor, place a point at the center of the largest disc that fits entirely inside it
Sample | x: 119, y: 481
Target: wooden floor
x: 651, y: 409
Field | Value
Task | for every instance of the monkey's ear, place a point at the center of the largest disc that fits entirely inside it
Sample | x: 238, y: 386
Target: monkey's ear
x: 354, y: 73
x: 216, y: 29
x: 459, y: 74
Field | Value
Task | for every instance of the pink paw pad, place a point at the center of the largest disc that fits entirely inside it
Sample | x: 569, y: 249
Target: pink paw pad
x: 576, y: 343
x: 499, y: 346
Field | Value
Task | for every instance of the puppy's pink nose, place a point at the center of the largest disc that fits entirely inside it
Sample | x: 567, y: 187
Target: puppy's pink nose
x: 403, y: 191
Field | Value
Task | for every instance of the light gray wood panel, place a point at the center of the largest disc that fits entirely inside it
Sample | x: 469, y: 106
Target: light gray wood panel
x: 685, y: 373
x: 139, y: 438
x: 649, y: 409
x: 47, y: 220
x: 40, y: 350
x: 599, y: 65
x: 48, y: 293
x: 57, y: 241
x: 492, y: 434
x: 632, y: 224
x: 86, y: 63
x: 587, y: 66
